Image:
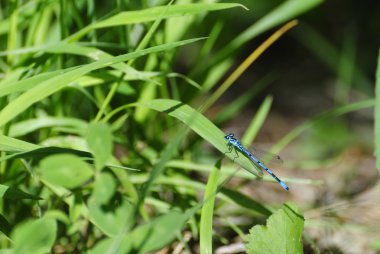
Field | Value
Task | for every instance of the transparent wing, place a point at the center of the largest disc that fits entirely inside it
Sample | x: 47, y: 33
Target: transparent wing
x: 259, y: 171
x: 265, y: 156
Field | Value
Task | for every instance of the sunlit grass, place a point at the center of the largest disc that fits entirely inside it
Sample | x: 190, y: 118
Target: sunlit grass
x: 106, y: 147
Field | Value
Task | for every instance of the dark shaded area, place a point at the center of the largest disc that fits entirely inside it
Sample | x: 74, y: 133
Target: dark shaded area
x: 305, y: 83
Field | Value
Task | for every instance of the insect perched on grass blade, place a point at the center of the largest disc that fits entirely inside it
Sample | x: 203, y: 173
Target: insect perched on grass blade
x: 233, y: 142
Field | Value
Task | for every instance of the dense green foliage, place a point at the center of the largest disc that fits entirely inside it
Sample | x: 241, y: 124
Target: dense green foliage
x: 111, y: 125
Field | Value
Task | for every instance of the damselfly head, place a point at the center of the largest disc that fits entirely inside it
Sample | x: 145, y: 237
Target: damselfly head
x: 229, y: 136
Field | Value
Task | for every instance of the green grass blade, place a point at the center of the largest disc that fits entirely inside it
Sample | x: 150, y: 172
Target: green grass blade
x: 205, y: 233
x: 310, y: 123
x: 11, y: 86
x: 246, y: 202
x: 58, y: 82
x: 13, y: 32
x: 286, y: 11
x: 346, y: 70
x: 214, y: 76
x: 8, y: 144
x: 95, y: 54
x: 234, y: 107
x: 258, y: 121
x: 152, y: 14
x: 74, y: 49
x: 377, y: 114
x: 202, y: 126
x: 330, y: 55
x: 5, y: 226
x: 31, y: 125
x: 26, y: 84
x: 148, y: 36
x: 42, y: 152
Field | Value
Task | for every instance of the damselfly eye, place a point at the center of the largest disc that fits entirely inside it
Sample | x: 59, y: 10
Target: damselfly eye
x: 229, y: 136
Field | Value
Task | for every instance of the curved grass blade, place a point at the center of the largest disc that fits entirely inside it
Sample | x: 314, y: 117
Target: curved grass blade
x: 58, y: 82
x: 246, y: 63
x: 235, y: 106
x: 202, y: 126
x: 8, y: 144
x: 30, y: 125
x: 286, y: 11
x: 245, y: 201
x: 26, y: 84
x: 152, y: 14
x: 42, y: 152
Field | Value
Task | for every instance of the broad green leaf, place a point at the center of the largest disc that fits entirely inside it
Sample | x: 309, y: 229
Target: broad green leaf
x: 109, y: 218
x: 377, y: 114
x: 159, y: 232
x: 203, y: 127
x: 56, y: 83
x: 58, y: 215
x: 148, y: 237
x: 283, y: 233
x: 104, y: 188
x: 99, y: 141
x: 65, y: 170
x: 158, y: 167
x: 206, y: 230
x: 7, y: 192
x: 34, y: 236
x: 8, y: 144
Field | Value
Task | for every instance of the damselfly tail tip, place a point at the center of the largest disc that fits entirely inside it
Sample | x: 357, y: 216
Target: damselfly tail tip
x: 284, y: 186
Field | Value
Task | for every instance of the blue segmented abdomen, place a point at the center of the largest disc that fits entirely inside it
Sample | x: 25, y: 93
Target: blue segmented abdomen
x: 233, y: 141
